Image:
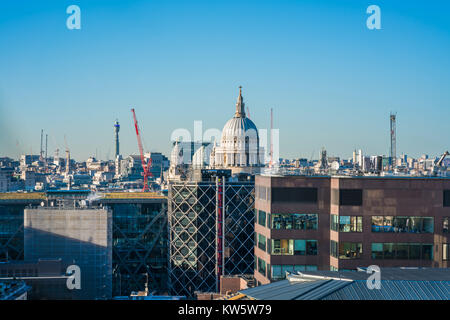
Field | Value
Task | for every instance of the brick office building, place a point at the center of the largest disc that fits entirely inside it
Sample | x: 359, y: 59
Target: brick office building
x: 307, y: 223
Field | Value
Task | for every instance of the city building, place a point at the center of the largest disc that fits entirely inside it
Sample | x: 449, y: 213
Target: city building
x: 139, y: 233
x: 211, y: 227
x: 140, y: 241
x: 306, y: 223
x: 79, y: 236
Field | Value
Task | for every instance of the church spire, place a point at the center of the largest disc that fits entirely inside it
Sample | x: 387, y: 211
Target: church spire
x: 240, y: 105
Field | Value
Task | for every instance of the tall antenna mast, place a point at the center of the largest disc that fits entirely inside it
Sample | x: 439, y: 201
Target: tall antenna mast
x: 41, y: 156
x: 393, y: 151
x: 271, y: 138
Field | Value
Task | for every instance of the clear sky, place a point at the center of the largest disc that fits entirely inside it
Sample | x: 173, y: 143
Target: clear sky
x: 331, y: 81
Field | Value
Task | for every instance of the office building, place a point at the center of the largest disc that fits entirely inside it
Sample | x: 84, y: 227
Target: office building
x: 306, y: 223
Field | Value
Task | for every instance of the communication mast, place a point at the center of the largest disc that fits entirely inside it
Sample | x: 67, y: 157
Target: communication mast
x: 393, y: 151
x: 145, y: 166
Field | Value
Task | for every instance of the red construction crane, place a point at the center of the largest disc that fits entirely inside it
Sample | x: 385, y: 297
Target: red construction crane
x: 145, y: 166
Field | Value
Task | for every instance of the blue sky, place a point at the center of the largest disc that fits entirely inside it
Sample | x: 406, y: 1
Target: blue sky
x: 331, y: 81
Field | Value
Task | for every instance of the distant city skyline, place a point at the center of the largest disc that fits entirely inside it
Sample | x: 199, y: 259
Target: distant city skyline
x: 330, y: 81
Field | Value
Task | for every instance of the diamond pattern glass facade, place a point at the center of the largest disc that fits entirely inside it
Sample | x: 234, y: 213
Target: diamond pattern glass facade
x: 192, y: 231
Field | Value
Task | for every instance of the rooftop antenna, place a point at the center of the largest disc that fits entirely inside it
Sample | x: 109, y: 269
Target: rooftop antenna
x: 41, y: 152
x: 393, y: 150
x: 271, y: 138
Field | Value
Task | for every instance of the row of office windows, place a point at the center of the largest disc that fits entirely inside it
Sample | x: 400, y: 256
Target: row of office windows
x: 400, y: 251
x: 287, y: 246
x: 287, y: 221
x: 389, y: 224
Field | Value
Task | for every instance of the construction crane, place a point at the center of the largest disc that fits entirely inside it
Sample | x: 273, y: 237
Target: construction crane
x: 248, y: 112
x: 145, y: 166
x: 441, y: 159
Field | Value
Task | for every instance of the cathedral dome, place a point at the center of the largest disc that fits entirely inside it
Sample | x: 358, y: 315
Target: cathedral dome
x: 239, y: 126
x: 239, y: 144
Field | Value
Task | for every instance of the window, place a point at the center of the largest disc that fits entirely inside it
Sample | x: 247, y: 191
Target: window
x: 262, y: 218
x: 305, y: 247
x: 446, y: 198
x: 445, y: 251
x: 262, y: 266
x: 282, y: 194
x: 350, y: 197
x: 350, y: 250
x: 276, y: 272
x: 334, y: 222
x: 279, y: 271
x: 334, y: 249
x: 261, y: 242
x: 445, y: 225
x: 282, y: 247
x: 350, y: 223
x: 294, y: 221
x: 406, y: 224
x: 402, y: 251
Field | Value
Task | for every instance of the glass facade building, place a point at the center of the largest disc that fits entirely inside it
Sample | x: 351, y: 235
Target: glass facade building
x: 194, y: 257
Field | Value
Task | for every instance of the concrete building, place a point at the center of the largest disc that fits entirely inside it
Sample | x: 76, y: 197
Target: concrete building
x: 139, y: 224
x: 77, y: 236
x: 306, y: 223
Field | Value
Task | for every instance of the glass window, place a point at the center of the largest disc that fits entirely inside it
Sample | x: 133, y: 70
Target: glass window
x: 427, y: 252
x: 262, y: 266
x: 388, y: 250
x: 445, y: 225
x: 350, y: 223
x: 287, y: 268
x: 399, y: 224
x: 262, y: 218
x: 414, y: 251
x: 282, y: 247
x: 276, y: 272
x: 262, y: 242
x: 311, y: 268
x: 334, y: 248
x: 294, y: 221
x: 445, y: 251
x: 300, y: 247
x: 311, y: 247
x: 334, y: 222
x: 350, y: 250
x: 377, y: 251
x: 402, y: 251
x: 298, y: 268
x: 377, y: 224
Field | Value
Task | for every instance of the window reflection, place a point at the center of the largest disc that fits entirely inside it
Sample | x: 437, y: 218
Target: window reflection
x: 402, y: 251
x: 294, y: 221
x: 398, y: 224
x: 294, y: 247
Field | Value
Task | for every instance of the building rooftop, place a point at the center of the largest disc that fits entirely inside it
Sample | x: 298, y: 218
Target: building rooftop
x: 396, y: 284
